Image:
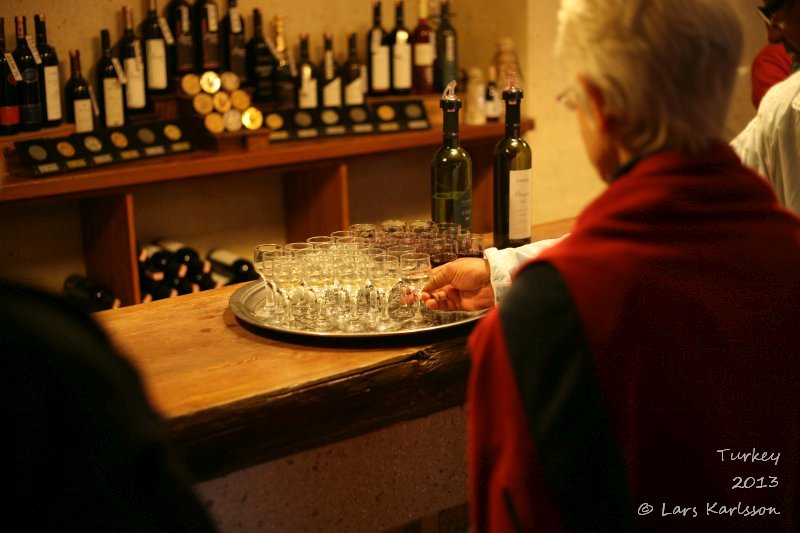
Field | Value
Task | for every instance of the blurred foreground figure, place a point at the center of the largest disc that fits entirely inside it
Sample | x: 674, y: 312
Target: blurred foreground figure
x: 642, y: 372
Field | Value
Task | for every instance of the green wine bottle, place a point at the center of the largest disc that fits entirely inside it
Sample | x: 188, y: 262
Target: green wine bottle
x: 451, y: 169
x: 512, y: 177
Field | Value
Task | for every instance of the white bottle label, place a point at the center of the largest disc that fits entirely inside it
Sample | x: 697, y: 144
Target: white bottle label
x: 328, y: 62
x: 165, y: 31
x: 211, y: 12
x: 380, y: 68
x: 34, y: 51
x: 186, y: 26
x: 236, y: 20
x: 13, y: 66
x: 156, y: 64
x: 354, y: 92
x: 223, y: 256
x: 52, y: 91
x: 112, y: 102
x: 449, y: 48
x: 135, y: 96
x: 83, y: 115
x: 402, y: 65
x: 332, y: 93
x: 424, y: 54
x: 118, y: 70
x: 519, y: 204
x: 308, y: 92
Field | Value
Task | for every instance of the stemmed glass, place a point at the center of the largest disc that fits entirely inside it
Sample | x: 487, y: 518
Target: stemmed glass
x: 351, y: 275
x: 263, y: 255
x: 384, y: 273
x: 415, y: 271
x: 287, y: 278
x: 318, y: 277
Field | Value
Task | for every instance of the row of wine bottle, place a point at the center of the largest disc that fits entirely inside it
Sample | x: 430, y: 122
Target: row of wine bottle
x: 451, y: 173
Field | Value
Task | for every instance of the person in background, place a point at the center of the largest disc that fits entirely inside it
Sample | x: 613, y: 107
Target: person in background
x: 771, y: 65
x: 771, y: 142
x: 629, y: 366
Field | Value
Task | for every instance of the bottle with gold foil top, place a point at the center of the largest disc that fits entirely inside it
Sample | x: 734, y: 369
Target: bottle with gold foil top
x: 284, y: 75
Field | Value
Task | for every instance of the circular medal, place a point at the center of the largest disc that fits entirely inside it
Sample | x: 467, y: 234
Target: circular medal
x: 240, y: 100
x: 385, y: 112
x: 92, y: 143
x: 358, y: 114
x: 413, y: 111
x: 210, y: 82
x: 252, y: 118
x: 214, y: 123
x: 65, y: 149
x: 230, y: 81
x: 190, y: 84
x: 233, y: 120
x: 222, y: 102
x: 274, y: 121
x: 146, y: 135
x: 303, y: 119
x: 119, y: 140
x: 172, y: 132
x: 329, y: 117
x: 203, y: 104
x: 37, y: 152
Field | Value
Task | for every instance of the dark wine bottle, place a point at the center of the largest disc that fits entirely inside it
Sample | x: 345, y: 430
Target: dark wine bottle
x: 446, y: 62
x: 400, y: 53
x: 159, y: 259
x: 451, y: 169
x: 49, y: 77
x: 378, y: 57
x: 352, y: 74
x: 423, y: 53
x: 88, y: 295
x: 307, y: 97
x: 492, y: 100
x: 331, y: 92
x: 512, y: 177
x: 30, y: 101
x: 231, y: 265
x: 130, y: 52
x: 179, y: 15
x: 261, y: 63
x: 155, y: 51
x: 78, y: 99
x: 234, y: 54
x: 285, y: 91
x: 156, y: 290
x: 109, y: 86
x: 185, y: 255
x: 206, y: 27
x: 9, y: 77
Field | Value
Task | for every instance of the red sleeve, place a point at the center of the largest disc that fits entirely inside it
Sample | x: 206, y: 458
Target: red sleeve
x: 770, y: 66
x: 506, y: 487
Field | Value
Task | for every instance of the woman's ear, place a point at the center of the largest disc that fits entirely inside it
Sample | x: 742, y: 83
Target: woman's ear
x: 595, y: 105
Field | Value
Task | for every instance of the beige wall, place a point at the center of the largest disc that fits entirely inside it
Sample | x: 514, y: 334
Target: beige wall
x: 40, y: 241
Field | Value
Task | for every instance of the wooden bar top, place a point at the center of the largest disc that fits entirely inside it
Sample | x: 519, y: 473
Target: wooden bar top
x: 234, y: 395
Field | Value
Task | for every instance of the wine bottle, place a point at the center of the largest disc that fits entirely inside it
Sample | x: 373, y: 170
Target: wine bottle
x: 512, y: 177
x: 231, y: 265
x: 156, y: 290
x: 30, y: 102
x: 491, y: 100
x: 185, y: 255
x: 78, y: 98
x: 331, y: 93
x: 400, y: 53
x: 284, y: 84
x: 423, y: 53
x: 88, y: 295
x: 159, y: 259
x: 352, y: 74
x: 49, y: 76
x: 233, y: 41
x: 9, y: 77
x: 155, y: 51
x: 378, y: 55
x: 307, y: 97
x: 179, y: 15
x: 261, y: 63
x: 130, y: 51
x: 446, y: 62
x: 109, y: 86
x: 206, y: 27
x: 451, y: 169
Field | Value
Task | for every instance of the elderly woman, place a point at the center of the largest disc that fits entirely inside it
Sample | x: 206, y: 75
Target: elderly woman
x: 642, y: 373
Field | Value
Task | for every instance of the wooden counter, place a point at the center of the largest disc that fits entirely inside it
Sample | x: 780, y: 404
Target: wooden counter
x: 235, y: 396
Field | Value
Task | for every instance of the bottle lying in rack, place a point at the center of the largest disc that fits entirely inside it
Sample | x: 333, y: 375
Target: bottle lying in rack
x: 88, y: 295
x: 232, y: 266
x: 185, y: 255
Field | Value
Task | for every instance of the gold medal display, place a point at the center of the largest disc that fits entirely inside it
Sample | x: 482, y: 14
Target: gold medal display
x: 214, y: 123
x: 190, y: 84
x: 240, y: 100
x: 65, y: 149
x: 210, y: 82
x: 230, y: 81
x: 146, y: 135
x: 119, y: 140
x: 233, y: 120
x: 222, y: 102
x: 385, y: 112
x: 37, y: 152
x: 93, y: 144
x: 274, y: 121
x: 203, y: 104
x: 252, y: 118
x: 172, y: 132
x: 329, y: 117
x: 358, y: 114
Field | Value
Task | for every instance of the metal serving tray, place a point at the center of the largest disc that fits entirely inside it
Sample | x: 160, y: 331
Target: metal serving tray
x: 250, y: 297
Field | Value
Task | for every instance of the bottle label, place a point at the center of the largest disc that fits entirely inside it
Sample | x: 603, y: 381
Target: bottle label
x: 450, y: 48
x: 165, y: 31
x: 354, y: 92
x: 380, y: 68
x: 211, y: 15
x: 236, y: 20
x: 332, y: 93
x: 135, y: 95
x: 83, y: 115
x: 119, y: 71
x: 156, y: 64
x: 519, y: 204
x: 95, y: 107
x: 424, y: 54
x: 308, y: 92
x: 402, y: 65
x: 328, y: 61
x: 12, y: 65
x: 210, y: 50
x: 30, y: 76
x: 9, y: 115
x: 52, y: 92
x: 34, y: 50
x: 186, y: 25
x: 112, y: 103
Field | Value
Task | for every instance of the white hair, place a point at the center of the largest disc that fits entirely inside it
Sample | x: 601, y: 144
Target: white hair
x: 665, y: 68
